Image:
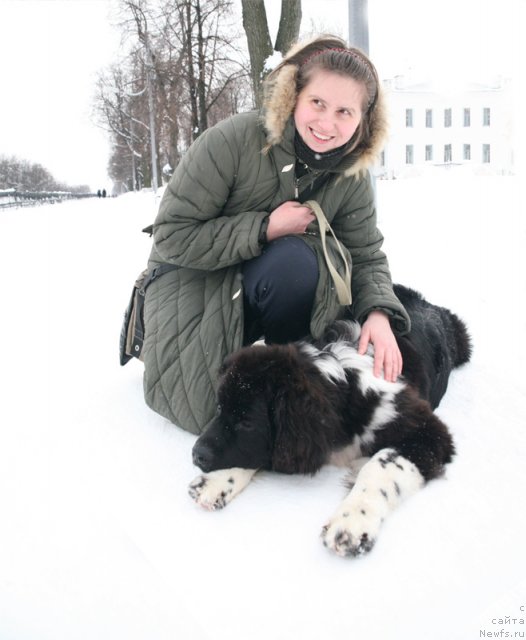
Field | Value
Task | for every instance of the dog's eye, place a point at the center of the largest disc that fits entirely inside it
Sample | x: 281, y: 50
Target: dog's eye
x: 244, y: 426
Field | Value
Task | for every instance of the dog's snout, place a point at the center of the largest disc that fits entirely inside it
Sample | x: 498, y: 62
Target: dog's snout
x: 202, y: 456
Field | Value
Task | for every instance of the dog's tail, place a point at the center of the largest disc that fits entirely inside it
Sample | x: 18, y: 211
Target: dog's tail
x: 458, y: 338
x: 461, y: 339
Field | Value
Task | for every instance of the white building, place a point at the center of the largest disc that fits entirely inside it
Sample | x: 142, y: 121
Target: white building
x: 433, y: 129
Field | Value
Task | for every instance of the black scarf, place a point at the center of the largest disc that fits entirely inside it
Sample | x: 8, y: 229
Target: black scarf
x: 318, y: 161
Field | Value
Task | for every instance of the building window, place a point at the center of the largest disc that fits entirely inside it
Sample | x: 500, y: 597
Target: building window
x: 429, y: 152
x: 409, y: 154
x: 429, y: 118
x: 447, y: 117
x: 486, y: 153
x: 486, y: 117
x: 448, y: 153
x: 467, y: 152
x: 467, y: 117
x: 408, y: 117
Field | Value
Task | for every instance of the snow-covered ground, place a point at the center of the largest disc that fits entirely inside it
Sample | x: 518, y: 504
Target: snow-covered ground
x: 98, y: 537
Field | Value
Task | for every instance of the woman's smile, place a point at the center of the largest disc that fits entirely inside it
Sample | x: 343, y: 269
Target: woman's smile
x: 320, y: 136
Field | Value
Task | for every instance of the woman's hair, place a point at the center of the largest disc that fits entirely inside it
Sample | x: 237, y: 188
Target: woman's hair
x: 331, y: 54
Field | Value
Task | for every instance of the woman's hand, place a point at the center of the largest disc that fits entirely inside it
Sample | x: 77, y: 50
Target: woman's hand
x: 289, y: 218
x: 377, y: 330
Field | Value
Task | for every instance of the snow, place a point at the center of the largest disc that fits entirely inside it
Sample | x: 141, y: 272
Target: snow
x: 99, y: 538
x: 272, y: 61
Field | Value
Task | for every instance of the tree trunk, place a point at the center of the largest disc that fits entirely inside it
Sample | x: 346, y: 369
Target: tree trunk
x: 259, y: 43
x: 289, y: 25
x: 192, y: 89
x: 258, y: 37
x: 201, y: 80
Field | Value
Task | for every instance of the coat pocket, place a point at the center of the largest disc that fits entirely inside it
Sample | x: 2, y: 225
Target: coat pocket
x: 132, y: 330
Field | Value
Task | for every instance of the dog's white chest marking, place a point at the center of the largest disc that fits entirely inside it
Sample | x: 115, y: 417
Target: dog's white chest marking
x: 216, y: 489
x: 383, y: 482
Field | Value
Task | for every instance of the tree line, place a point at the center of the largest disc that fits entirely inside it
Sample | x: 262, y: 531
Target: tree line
x: 186, y: 65
x: 22, y: 175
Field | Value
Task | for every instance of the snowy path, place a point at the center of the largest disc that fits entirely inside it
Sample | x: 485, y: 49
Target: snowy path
x: 98, y: 538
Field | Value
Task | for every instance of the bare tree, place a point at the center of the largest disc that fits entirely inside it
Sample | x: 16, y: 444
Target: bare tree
x: 121, y: 109
x: 22, y: 175
x: 141, y: 22
x: 214, y: 62
x: 188, y: 51
x: 258, y: 37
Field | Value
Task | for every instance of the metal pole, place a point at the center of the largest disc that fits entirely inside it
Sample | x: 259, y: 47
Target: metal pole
x: 359, y: 38
x: 359, y: 25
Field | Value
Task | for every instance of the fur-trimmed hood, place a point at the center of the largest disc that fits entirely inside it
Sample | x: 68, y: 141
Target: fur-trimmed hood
x: 278, y: 107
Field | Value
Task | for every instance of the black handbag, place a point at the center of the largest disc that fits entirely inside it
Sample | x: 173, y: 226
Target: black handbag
x: 132, y: 331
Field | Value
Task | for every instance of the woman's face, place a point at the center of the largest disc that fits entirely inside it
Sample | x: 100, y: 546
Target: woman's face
x: 328, y: 110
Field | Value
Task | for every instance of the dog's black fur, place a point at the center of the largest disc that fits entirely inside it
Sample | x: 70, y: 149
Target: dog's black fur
x: 277, y: 411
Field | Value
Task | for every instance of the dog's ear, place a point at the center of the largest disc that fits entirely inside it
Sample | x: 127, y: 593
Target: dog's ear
x: 226, y: 364
x: 247, y: 359
x: 303, y: 421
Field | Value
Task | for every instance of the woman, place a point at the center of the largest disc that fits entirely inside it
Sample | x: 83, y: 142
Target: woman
x: 248, y: 258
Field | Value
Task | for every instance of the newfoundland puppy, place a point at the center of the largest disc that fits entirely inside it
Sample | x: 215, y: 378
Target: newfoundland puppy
x: 296, y: 407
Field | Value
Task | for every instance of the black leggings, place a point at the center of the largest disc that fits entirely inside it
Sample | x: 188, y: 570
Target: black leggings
x: 279, y: 287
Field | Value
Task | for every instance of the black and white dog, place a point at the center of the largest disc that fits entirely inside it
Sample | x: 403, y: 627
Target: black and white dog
x: 293, y: 408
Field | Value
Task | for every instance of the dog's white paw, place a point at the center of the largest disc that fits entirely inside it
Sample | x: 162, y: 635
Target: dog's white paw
x: 352, y: 531
x: 210, y: 494
x: 216, y: 489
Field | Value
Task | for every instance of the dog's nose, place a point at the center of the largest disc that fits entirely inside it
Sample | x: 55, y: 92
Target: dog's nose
x: 202, y: 456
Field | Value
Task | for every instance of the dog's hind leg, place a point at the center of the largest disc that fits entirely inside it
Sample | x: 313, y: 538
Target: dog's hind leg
x: 383, y: 482
x: 216, y: 489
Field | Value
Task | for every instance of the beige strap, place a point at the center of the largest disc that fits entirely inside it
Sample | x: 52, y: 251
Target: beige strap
x: 343, y: 285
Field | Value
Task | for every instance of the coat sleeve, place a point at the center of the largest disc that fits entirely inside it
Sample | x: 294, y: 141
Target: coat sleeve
x: 371, y: 283
x: 191, y: 229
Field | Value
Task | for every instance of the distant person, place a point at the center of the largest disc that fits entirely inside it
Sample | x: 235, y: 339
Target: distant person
x: 104, y: 193
x: 99, y: 193
x: 247, y: 256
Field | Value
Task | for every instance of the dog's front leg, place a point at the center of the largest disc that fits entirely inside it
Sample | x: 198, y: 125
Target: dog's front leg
x: 383, y: 482
x: 216, y: 489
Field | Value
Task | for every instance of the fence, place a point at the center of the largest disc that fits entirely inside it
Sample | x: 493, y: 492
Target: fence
x: 15, y: 198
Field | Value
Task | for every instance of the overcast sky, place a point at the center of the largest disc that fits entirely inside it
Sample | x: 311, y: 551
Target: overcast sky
x: 51, y: 50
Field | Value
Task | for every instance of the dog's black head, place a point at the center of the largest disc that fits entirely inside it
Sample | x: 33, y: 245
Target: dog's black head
x: 271, y: 402
x: 240, y: 435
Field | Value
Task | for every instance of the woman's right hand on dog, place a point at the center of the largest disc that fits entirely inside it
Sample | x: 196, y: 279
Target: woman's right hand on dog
x: 387, y: 357
x: 289, y: 218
